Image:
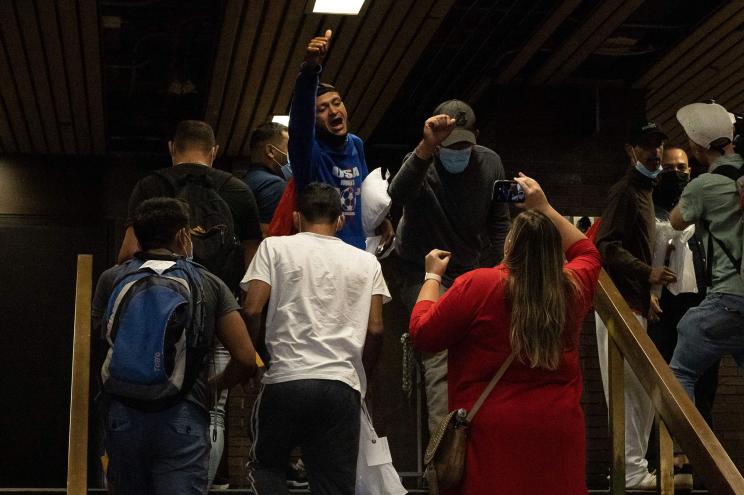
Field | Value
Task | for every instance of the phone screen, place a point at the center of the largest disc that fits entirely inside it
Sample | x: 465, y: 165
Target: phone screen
x: 508, y: 191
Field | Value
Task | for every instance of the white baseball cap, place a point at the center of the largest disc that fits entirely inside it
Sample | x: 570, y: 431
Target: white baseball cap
x: 705, y: 123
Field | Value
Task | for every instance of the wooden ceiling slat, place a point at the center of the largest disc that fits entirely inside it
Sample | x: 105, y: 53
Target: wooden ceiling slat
x: 587, y: 27
x: 223, y: 60
x: 398, y: 44
x: 239, y: 66
x: 702, y: 84
x: 15, y: 119
x: 93, y: 77
x: 604, y: 31
x: 29, y: 26
x: 342, y: 46
x: 7, y: 139
x: 310, y: 26
x: 384, y: 46
x: 273, y: 80
x: 55, y: 64
x: 721, y: 55
x: 402, y: 69
x: 680, y: 51
x: 19, y: 62
x: 380, y: 12
x: 700, y: 52
x: 67, y: 12
x: 537, y: 41
x: 256, y: 72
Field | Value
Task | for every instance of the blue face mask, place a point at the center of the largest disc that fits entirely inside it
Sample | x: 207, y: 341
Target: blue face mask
x: 645, y: 171
x: 455, y: 161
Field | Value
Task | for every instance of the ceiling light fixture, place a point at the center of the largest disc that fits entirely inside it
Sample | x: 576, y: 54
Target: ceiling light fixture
x: 345, y: 7
x: 281, y: 119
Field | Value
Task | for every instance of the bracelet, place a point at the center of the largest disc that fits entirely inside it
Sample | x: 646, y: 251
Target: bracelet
x: 432, y: 276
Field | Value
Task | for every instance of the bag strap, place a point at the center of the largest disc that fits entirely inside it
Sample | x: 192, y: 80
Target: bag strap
x: 490, y: 386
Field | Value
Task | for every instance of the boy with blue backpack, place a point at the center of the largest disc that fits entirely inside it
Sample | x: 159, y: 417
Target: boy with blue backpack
x: 159, y: 313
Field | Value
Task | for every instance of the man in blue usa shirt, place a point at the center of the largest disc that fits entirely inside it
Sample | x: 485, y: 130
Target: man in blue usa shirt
x: 320, y: 145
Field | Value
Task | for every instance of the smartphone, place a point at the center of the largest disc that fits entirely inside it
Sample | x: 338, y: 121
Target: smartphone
x: 508, y: 191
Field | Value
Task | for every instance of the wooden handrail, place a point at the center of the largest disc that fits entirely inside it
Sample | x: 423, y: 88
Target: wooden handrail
x: 77, y: 451
x: 670, y: 400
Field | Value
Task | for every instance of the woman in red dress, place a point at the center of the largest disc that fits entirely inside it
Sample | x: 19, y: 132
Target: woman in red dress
x: 528, y: 437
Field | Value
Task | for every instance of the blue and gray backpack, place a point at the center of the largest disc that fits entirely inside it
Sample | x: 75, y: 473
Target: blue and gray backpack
x: 154, y: 324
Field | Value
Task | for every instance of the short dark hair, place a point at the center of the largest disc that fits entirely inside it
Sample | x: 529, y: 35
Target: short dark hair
x: 319, y: 202
x: 265, y: 133
x: 324, y: 88
x: 193, y: 134
x: 158, y: 220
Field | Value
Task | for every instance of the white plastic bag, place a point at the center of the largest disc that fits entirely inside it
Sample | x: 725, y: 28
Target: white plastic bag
x: 680, y: 260
x: 375, y: 201
x: 375, y: 472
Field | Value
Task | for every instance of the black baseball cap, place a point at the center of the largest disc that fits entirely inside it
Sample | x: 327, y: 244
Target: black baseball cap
x: 464, y: 121
x: 645, y: 129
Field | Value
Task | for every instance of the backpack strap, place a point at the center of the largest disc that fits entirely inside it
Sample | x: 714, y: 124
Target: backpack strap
x: 734, y: 174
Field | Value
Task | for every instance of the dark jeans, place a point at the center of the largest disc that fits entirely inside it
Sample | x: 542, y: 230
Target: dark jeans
x: 320, y: 416
x: 153, y: 453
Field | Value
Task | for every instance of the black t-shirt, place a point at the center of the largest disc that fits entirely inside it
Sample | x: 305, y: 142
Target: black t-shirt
x: 218, y: 301
x: 234, y: 191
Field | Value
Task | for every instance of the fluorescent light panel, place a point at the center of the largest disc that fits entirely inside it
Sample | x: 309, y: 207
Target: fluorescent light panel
x: 346, y: 7
x: 281, y: 119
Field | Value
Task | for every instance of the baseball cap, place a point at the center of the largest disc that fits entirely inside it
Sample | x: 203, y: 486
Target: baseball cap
x: 645, y: 129
x: 706, y: 123
x: 464, y: 121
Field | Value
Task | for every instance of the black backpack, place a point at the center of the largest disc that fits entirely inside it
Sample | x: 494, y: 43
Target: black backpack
x: 216, y: 245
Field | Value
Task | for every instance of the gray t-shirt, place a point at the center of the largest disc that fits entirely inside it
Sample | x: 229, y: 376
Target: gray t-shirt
x: 218, y: 301
x: 711, y: 202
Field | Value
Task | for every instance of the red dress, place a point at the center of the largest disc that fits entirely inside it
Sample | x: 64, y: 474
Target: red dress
x: 528, y: 438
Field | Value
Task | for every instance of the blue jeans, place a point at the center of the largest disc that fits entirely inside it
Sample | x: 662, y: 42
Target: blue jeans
x: 156, y: 453
x: 707, y: 333
x: 320, y: 416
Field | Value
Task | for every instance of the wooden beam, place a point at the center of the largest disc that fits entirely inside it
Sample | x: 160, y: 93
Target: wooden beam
x: 223, y: 60
x: 77, y: 453
x: 616, y: 406
x: 668, y: 397
x: 682, y: 50
x: 376, y: 103
x: 262, y: 53
x: 93, y: 78
x: 73, y: 55
x: 20, y: 70
x: 587, y: 27
x: 537, y: 41
x: 238, y: 71
x: 55, y: 65
x: 6, y: 132
x: 664, y: 458
x: 28, y: 19
x: 277, y: 66
x: 588, y: 47
x: 10, y: 97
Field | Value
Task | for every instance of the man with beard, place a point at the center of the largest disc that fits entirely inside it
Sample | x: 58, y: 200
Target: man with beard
x: 321, y: 146
x: 681, y: 250
x: 626, y: 239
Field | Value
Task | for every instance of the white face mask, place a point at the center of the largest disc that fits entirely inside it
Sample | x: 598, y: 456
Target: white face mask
x: 644, y: 170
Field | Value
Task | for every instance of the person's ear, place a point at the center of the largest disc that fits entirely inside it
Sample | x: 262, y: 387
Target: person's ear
x: 268, y: 151
x: 340, y: 222
x: 631, y: 153
x: 171, y: 148
x: 297, y: 221
x: 213, y: 152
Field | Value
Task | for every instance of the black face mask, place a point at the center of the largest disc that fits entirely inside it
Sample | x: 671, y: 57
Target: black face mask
x: 669, y: 187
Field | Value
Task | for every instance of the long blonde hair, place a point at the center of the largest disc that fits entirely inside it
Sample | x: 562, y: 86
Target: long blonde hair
x: 539, y: 290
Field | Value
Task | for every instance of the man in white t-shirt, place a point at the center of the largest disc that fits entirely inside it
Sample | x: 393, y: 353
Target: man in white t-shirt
x: 323, y: 331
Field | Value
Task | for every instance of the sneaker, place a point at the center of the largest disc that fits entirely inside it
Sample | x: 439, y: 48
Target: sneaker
x: 646, y: 483
x: 220, y: 483
x: 297, y: 475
